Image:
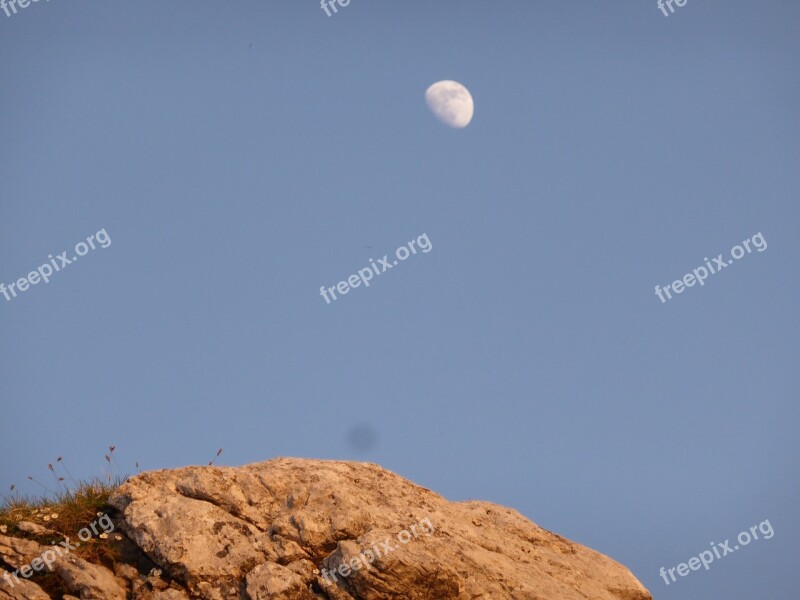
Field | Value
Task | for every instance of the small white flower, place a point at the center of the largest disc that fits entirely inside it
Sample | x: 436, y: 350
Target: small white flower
x: 103, y: 536
x: 3, y: 528
x: 155, y: 572
x: 47, y: 517
x: 118, y: 537
x: 54, y: 516
x: 99, y: 514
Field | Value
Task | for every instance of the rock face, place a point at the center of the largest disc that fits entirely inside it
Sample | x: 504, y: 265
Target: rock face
x: 305, y: 529
x: 92, y: 582
x: 292, y: 529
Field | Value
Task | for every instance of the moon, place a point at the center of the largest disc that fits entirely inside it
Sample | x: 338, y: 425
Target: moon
x: 451, y: 103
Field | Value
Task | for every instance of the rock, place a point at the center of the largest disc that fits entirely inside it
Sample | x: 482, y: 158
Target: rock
x: 21, y: 590
x: 157, y: 583
x: 412, y: 565
x: 170, y: 594
x: 293, y: 529
x: 271, y: 581
x: 194, y: 540
x: 18, y: 552
x: 126, y: 572
x: 34, y: 529
x: 144, y: 591
x: 89, y: 581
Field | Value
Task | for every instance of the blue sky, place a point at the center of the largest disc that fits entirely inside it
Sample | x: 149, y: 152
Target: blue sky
x: 241, y: 155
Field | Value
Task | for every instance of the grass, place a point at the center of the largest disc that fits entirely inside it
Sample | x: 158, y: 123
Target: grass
x: 65, y: 516
x: 64, y: 512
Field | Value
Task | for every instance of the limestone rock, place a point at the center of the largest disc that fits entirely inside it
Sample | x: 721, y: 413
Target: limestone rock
x: 127, y: 572
x: 170, y: 594
x: 293, y: 529
x: 21, y: 590
x: 35, y: 529
x: 143, y: 591
x: 18, y: 552
x: 89, y: 581
x: 272, y: 581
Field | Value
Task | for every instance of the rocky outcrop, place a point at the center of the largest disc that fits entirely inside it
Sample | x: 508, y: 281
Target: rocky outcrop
x: 92, y: 582
x: 17, y: 552
x: 291, y: 529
